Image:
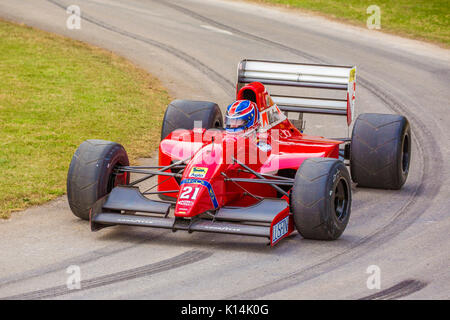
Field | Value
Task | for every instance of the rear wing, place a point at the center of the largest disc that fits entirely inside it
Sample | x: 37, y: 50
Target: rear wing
x: 304, y: 75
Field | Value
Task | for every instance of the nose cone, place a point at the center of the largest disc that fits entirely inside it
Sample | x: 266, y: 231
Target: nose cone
x: 200, y: 182
x: 196, y: 196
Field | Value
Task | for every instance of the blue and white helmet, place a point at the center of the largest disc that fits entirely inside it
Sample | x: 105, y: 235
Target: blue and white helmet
x: 241, y: 115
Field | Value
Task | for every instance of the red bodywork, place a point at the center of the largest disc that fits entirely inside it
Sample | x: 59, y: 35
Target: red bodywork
x: 278, y: 149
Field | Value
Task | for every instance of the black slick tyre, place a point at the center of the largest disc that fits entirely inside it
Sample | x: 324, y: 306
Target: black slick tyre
x: 321, y: 198
x: 380, y: 152
x: 91, y: 174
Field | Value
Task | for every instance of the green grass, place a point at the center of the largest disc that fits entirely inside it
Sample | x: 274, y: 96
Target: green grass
x: 54, y: 94
x: 421, y: 19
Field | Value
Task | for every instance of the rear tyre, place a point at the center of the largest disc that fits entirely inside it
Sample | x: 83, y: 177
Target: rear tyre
x: 182, y: 114
x: 91, y: 174
x: 380, y: 151
x: 321, y: 198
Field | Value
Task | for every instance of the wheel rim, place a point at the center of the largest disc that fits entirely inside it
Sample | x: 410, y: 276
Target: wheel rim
x: 341, y: 199
x: 117, y: 179
x: 405, y: 155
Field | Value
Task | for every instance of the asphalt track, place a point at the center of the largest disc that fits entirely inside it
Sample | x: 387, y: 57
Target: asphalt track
x: 193, y: 47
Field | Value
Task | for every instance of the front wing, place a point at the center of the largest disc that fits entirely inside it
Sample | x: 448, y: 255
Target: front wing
x: 125, y: 205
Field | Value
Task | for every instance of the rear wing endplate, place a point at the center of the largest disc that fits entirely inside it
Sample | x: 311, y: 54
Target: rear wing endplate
x: 304, y: 75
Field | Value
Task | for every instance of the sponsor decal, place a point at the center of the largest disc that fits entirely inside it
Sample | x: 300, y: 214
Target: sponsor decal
x: 224, y: 229
x: 140, y: 221
x: 186, y: 203
x: 351, y: 88
x: 198, y: 172
x: 205, y: 184
x: 280, y: 229
x: 270, y: 117
x: 352, y: 76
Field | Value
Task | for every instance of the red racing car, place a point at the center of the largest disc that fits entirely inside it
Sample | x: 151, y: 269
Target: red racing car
x: 256, y: 173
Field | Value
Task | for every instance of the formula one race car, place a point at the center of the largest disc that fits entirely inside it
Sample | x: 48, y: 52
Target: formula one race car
x: 257, y: 174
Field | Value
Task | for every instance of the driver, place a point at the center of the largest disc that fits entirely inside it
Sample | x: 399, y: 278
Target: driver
x: 242, y: 116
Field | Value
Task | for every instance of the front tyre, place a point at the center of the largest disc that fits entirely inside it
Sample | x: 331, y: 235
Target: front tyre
x: 91, y: 174
x: 321, y: 198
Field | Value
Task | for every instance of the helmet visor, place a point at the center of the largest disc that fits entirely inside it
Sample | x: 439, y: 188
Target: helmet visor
x: 235, y: 123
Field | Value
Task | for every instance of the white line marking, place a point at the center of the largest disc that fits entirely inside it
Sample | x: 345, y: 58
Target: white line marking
x: 216, y: 29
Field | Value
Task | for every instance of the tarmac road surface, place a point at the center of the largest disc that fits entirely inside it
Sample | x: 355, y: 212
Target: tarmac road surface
x: 194, y: 46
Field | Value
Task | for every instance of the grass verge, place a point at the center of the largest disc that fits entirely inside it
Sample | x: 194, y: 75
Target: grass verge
x: 57, y: 92
x: 427, y: 20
